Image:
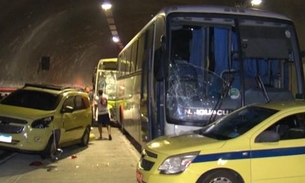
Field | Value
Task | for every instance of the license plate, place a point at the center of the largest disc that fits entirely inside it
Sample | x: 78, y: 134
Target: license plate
x: 5, y: 138
x: 139, y: 177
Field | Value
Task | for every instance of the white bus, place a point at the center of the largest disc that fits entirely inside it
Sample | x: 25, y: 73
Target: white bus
x: 193, y: 64
x: 105, y: 77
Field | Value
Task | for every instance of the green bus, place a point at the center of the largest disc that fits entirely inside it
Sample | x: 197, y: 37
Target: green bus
x: 191, y: 65
x: 105, y: 77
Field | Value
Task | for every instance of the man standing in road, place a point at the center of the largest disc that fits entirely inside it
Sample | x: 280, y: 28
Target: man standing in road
x: 103, y: 114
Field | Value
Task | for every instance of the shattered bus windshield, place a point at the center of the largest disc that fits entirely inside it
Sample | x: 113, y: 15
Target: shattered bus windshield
x: 217, y: 65
x: 107, y: 82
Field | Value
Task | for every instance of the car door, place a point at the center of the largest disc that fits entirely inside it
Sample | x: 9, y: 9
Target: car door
x: 282, y: 161
x: 82, y: 117
x: 68, y: 117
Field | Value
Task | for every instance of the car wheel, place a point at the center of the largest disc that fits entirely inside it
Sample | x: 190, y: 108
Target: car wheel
x: 85, y: 138
x: 220, y: 176
x: 49, y: 150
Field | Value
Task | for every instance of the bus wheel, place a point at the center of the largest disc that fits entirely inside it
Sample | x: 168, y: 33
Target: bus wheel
x: 218, y: 176
x: 121, y: 119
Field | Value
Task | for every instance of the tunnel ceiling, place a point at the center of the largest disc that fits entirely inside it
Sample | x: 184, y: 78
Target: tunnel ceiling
x: 75, y: 35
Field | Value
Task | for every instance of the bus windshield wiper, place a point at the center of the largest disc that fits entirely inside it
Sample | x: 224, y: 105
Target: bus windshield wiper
x: 220, y: 99
x: 263, y: 88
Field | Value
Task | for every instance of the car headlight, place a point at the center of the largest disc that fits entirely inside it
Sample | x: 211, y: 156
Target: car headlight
x: 177, y: 164
x: 43, y: 122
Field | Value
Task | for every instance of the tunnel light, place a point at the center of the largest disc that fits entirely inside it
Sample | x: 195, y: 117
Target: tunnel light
x: 247, y: 3
x: 115, y: 39
x: 256, y: 2
x: 106, y: 5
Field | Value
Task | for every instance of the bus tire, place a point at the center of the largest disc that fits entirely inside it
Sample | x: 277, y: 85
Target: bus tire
x: 121, y: 119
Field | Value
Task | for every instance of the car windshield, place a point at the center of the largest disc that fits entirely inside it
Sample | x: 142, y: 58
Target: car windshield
x: 236, y: 123
x: 32, y: 99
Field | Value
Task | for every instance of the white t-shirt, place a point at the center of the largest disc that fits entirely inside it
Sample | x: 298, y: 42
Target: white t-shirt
x: 102, y: 104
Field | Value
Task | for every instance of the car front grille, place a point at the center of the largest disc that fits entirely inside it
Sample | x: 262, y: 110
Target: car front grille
x: 10, y: 125
x: 150, y: 154
x: 146, y: 165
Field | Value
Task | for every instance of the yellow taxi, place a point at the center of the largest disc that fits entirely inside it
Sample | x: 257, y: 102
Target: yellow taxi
x: 263, y: 143
x: 43, y: 118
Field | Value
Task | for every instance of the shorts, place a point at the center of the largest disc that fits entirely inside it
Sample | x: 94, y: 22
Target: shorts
x: 103, y: 119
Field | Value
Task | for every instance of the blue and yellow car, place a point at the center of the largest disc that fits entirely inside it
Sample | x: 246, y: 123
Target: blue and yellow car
x: 262, y: 143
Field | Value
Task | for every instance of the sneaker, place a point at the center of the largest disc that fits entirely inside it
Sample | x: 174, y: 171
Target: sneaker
x: 110, y: 138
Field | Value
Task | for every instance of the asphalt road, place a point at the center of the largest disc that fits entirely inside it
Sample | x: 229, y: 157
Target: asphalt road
x: 6, y: 155
x: 102, y: 161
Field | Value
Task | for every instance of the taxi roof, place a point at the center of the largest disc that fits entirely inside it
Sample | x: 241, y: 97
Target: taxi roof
x: 283, y: 105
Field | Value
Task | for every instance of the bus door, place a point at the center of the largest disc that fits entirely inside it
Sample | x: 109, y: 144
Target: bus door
x: 147, y: 106
x: 158, y: 83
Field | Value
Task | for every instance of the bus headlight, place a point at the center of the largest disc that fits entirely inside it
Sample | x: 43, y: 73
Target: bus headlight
x: 177, y: 164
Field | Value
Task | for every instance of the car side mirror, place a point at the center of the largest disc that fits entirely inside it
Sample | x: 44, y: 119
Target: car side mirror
x: 67, y: 109
x: 268, y: 136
